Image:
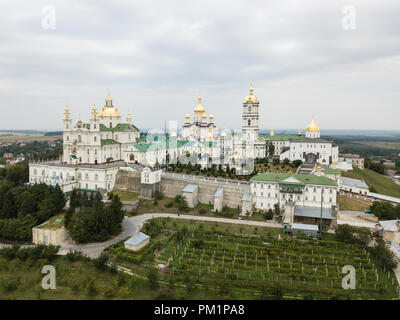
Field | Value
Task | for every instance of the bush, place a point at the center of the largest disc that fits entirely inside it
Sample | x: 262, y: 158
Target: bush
x: 101, y: 261
x: 76, y: 255
x: 202, y: 211
x: 158, y: 195
x: 91, y: 289
x: 169, y: 204
x: 269, y: 215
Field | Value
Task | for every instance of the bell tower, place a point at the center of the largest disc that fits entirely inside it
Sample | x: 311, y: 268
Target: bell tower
x: 250, y: 116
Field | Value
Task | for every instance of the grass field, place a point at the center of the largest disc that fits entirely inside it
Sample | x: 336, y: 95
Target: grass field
x: 23, y: 281
x: 381, y: 183
x: 126, y: 195
x: 28, y: 138
x: 249, y: 263
x: 392, y: 145
x: 353, y: 204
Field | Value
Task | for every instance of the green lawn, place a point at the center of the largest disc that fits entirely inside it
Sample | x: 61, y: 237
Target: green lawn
x: 126, y: 195
x: 353, y: 204
x: 381, y: 183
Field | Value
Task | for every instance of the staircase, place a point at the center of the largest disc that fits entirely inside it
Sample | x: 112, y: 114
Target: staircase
x: 306, y: 168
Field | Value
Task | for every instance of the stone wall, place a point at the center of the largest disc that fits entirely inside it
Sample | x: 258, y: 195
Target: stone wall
x: 128, y: 179
x: 171, y: 187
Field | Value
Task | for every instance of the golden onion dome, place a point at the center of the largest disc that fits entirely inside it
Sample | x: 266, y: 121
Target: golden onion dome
x: 109, y: 112
x: 251, y: 97
x: 199, y: 108
x: 67, y: 114
x: 299, y: 132
x: 187, y: 116
x: 313, y: 127
x: 204, y: 116
x: 211, y: 116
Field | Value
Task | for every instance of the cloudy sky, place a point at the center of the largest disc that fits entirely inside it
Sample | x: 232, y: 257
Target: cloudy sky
x: 305, y: 57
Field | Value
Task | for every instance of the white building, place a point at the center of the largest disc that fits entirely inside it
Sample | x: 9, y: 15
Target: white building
x: 201, y: 127
x: 92, y: 152
x: 353, y: 186
x: 101, y: 140
x: 273, y: 188
x: 306, y: 148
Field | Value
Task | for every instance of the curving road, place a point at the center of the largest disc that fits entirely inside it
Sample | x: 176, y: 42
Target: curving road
x: 132, y: 225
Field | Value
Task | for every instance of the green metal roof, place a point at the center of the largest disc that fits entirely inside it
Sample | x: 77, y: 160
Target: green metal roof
x: 283, y: 137
x: 143, y: 147
x: 105, y: 142
x: 303, y: 178
x: 333, y: 171
x: 119, y: 127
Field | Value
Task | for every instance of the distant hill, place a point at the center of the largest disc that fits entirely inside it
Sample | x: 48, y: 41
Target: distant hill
x: 54, y: 133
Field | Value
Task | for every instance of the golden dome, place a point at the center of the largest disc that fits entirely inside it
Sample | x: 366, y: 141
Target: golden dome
x: 251, y: 97
x: 312, y: 127
x: 223, y: 134
x: 319, y: 168
x: 199, y: 108
x: 204, y: 116
x: 187, y: 116
x: 67, y: 114
x: 109, y: 112
x: 94, y: 113
x: 128, y: 117
x: 299, y: 132
x: 211, y: 116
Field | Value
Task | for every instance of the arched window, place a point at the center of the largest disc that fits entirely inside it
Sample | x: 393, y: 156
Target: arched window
x: 96, y: 177
x: 79, y: 138
x: 249, y: 109
x: 249, y: 122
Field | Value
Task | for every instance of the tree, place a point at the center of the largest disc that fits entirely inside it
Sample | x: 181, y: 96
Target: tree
x: 58, y: 198
x: 74, y: 199
x: 276, y: 161
x: 269, y: 215
x: 26, y: 203
x: 286, y: 161
x: 383, y: 255
x: 9, y: 210
x: 297, y: 163
x: 277, y: 210
x: 271, y: 148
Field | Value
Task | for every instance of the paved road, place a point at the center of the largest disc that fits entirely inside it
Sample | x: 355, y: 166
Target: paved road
x: 132, y: 225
